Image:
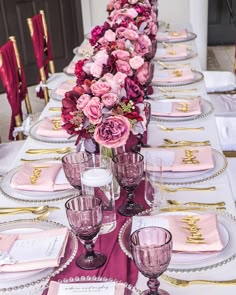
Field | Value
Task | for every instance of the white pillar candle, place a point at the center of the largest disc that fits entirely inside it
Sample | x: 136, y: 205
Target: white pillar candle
x: 96, y: 177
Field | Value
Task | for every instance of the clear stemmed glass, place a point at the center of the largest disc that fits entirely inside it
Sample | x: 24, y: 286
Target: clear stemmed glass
x: 84, y: 214
x: 128, y: 170
x: 72, y: 164
x: 154, y: 194
x: 151, y: 249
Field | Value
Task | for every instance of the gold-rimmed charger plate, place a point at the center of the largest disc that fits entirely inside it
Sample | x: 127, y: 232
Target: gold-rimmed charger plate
x: 32, y: 196
x: 206, y: 109
x: 227, y: 224
x: 190, y: 36
x: 34, y: 282
x: 33, y: 134
x: 190, y: 54
x: 194, y: 177
x: 197, y: 77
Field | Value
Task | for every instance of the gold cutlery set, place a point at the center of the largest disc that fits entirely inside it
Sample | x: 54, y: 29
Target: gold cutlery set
x: 42, y: 211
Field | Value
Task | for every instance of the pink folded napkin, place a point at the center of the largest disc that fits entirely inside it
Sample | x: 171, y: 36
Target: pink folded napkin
x: 172, y: 52
x: 54, y: 288
x: 64, y: 87
x: 173, y: 76
x: 47, y: 128
x: 173, y: 160
x: 172, y: 36
x: 181, y: 108
x: 7, y: 241
x: 70, y: 69
x: 40, y: 176
x: 208, y: 228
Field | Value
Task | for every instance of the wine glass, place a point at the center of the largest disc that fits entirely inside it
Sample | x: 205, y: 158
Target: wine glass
x: 72, y: 164
x: 128, y: 170
x: 151, y: 249
x: 84, y: 214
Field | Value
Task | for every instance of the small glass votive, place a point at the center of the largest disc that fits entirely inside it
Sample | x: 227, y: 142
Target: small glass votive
x: 97, y: 180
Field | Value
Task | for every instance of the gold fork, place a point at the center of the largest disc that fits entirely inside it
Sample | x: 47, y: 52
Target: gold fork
x: 48, y: 151
x: 174, y: 190
x: 176, y: 203
x: 185, y: 283
x: 179, y: 128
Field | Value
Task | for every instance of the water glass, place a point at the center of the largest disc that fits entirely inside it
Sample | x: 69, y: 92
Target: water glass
x: 97, y: 179
x: 154, y: 193
x: 84, y: 214
x: 72, y: 164
x: 151, y: 249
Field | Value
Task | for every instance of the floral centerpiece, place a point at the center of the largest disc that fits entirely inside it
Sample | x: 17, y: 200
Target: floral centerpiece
x: 107, y: 102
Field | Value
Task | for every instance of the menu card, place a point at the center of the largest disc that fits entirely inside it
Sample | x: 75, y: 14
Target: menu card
x: 21, y: 252
x: 102, y: 288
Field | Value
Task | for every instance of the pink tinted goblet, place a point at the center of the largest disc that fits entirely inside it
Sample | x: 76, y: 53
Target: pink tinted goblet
x: 151, y: 249
x: 128, y: 170
x: 84, y: 214
x: 72, y: 164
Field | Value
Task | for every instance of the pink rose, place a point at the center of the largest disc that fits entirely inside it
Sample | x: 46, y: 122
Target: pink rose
x: 124, y: 67
x: 113, y: 132
x: 126, y: 33
x: 99, y: 88
x: 121, y: 54
x: 145, y: 73
x: 119, y: 78
x: 93, y: 110
x: 86, y: 67
x: 136, y: 62
x: 109, y: 99
x: 101, y: 57
x: 110, y: 36
x: 142, y: 45
x: 96, y: 70
x: 82, y: 101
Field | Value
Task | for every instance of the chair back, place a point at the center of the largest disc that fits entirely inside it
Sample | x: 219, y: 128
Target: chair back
x: 42, y: 50
x: 235, y: 59
x: 13, y: 79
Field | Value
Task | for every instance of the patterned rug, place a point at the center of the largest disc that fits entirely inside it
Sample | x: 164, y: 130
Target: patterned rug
x: 212, y: 63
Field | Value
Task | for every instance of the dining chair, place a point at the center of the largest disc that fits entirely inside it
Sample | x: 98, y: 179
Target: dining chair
x: 42, y: 50
x: 14, y: 82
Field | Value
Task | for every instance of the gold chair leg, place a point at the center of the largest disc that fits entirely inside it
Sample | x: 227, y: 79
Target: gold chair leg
x: 27, y: 104
x: 45, y: 89
x: 18, y: 122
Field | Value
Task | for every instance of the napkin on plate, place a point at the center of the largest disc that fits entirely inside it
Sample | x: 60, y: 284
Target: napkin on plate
x: 64, y: 87
x: 180, y: 108
x: 8, y: 243
x: 173, y: 75
x: 56, y: 288
x: 206, y: 224
x: 50, y: 178
x: 172, y: 36
x: 172, y: 52
x: 46, y: 128
x: 173, y: 159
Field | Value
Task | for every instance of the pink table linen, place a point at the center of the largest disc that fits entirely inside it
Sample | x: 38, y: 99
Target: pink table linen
x: 173, y: 76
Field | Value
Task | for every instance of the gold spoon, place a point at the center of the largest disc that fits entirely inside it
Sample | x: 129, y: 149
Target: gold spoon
x: 172, y: 66
x: 174, y: 202
x: 179, y: 128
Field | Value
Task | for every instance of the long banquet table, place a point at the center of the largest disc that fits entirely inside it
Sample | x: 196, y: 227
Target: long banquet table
x: 155, y: 137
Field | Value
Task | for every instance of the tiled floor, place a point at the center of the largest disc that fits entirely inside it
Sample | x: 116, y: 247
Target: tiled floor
x: 220, y: 58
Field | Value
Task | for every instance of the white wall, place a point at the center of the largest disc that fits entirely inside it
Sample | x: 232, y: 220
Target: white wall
x: 172, y: 11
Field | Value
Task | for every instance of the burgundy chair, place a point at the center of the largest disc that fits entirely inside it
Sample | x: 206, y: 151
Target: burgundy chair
x: 42, y: 51
x: 14, y: 82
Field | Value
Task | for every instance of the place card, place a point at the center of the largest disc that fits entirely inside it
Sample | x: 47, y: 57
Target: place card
x: 145, y: 221
x: 103, y: 288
